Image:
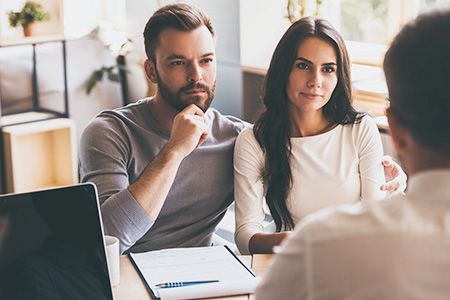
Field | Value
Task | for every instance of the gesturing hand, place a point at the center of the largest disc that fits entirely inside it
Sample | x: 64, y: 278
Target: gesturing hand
x: 188, y: 130
x: 395, y: 177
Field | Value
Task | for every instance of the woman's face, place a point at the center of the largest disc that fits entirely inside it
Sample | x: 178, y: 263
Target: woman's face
x: 313, y: 76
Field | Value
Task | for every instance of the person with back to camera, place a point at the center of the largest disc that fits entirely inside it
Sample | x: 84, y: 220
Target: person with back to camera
x: 164, y: 165
x: 397, y: 248
x: 309, y: 149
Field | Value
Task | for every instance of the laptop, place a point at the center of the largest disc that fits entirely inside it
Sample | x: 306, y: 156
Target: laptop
x: 52, y: 245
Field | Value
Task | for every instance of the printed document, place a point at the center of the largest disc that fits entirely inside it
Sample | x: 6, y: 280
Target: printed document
x: 194, y: 264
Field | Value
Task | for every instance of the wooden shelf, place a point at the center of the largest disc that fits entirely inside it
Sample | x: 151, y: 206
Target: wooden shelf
x: 39, y: 39
x: 26, y: 117
x: 40, y: 155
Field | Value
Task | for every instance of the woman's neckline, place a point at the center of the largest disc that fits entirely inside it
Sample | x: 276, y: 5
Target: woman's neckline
x: 322, y: 132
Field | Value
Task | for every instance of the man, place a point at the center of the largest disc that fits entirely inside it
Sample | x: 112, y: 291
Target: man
x: 398, y: 248
x: 163, y: 166
x: 156, y: 192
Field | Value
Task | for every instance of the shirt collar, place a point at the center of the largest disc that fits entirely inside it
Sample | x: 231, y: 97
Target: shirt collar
x: 430, y: 184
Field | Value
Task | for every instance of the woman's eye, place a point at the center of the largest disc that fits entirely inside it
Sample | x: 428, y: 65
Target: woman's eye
x: 302, y: 66
x: 328, y: 69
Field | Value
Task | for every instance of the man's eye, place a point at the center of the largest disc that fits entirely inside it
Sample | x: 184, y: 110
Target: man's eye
x: 176, y: 63
x: 207, y: 60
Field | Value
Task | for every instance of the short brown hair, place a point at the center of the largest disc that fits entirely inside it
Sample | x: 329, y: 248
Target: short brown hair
x: 180, y: 16
x: 417, y: 68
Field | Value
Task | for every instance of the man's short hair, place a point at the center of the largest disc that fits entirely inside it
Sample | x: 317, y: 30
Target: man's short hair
x: 180, y: 16
x: 417, y: 69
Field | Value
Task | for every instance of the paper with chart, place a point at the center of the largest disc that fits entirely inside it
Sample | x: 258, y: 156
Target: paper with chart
x: 195, y: 264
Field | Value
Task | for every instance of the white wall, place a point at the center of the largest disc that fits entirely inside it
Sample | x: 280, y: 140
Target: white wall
x: 138, y: 12
x: 262, y: 25
x: 82, y: 16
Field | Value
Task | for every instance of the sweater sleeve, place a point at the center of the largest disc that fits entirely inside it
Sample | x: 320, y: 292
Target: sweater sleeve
x: 104, y: 152
x: 248, y: 189
x: 370, y: 151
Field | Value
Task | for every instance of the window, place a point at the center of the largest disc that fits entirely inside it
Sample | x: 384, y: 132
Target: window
x: 364, y: 21
x: 369, y: 25
x: 377, y: 21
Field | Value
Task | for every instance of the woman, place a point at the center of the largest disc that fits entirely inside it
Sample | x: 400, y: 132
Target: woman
x: 310, y: 148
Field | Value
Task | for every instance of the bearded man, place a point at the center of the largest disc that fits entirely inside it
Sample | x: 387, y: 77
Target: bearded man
x: 155, y: 190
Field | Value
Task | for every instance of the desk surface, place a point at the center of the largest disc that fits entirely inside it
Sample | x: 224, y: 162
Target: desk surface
x: 131, y: 286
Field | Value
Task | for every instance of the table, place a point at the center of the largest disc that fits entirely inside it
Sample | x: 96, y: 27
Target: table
x: 131, y: 286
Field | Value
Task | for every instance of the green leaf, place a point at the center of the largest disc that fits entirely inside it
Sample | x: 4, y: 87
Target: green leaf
x: 92, y: 81
x: 114, y: 77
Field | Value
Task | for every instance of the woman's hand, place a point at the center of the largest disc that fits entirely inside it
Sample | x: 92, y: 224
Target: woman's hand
x: 263, y: 243
x: 395, y: 177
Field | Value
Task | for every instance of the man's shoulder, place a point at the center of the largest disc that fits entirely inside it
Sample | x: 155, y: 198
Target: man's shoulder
x: 130, y: 110
x: 112, y: 121
x: 221, y: 122
x: 352, y: 220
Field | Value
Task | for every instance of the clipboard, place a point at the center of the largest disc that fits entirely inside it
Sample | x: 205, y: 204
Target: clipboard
x: 194, y: 264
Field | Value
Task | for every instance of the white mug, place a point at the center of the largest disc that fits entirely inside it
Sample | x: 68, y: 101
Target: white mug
x: 113, y: 258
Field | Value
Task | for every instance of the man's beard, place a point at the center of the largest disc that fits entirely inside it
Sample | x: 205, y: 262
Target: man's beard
x: 175, y: 98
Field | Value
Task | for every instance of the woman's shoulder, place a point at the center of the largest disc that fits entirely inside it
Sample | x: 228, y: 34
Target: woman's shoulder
x: 366, y: 122
x: 247, y: 134
x: 365, y: 133
x: 247, y: 139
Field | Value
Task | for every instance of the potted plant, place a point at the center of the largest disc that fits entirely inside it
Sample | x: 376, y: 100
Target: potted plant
x: 299, y: 8
x: 28, y: 16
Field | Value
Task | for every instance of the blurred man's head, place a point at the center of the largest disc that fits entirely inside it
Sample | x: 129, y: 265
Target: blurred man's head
x: 417, y: 69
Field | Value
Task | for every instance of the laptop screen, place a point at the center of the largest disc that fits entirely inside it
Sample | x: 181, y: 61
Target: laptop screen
x: 52, y: 245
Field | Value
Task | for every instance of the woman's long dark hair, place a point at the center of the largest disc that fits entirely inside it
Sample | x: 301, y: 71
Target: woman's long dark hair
x: 272, y: 128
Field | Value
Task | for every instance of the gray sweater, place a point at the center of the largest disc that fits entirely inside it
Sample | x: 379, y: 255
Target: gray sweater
x: 117, y: 146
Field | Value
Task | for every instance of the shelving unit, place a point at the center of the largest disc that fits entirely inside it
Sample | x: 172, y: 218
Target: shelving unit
x: 39, y: 144
x: 38, y: 111
x: 50, y: 31
x: 11, y: 170
x: 40, y: 155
